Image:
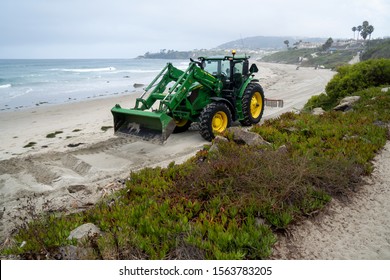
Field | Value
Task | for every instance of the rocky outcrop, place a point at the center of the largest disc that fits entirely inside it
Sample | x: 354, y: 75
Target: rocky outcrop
x: 346, y: 103
x: 84, y: 231
x: 241, y: 136
x: 318, y: 111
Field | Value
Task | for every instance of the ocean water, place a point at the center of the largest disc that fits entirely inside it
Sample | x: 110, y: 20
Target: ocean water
x: 31, y: 83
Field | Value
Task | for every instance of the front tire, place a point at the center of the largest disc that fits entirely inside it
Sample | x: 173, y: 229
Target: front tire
x: 182, y: 125
x: 215, y: 118
x: 252, y: 104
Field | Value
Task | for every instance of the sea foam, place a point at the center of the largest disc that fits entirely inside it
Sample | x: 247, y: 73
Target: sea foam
x: 87, y: 70
x: 5, y: 86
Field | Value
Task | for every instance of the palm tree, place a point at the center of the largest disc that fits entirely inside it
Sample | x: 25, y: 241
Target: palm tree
x: 370, y: 29
x: 354, y: 30
x: 359, y: 28
x: 364, y: 32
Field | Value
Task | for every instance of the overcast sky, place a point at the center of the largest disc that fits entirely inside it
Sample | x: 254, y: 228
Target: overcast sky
x: 127, y: 28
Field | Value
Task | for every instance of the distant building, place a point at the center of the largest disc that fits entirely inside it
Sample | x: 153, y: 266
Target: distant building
x: 307, y: 45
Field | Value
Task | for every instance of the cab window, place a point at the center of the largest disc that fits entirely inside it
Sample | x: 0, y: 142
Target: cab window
x: 217, y: 67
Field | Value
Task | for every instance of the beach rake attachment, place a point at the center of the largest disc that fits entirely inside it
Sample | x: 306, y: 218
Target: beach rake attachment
x: 274, y: 103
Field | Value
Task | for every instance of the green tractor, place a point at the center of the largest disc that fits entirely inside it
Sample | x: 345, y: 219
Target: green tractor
x: 213, y: 91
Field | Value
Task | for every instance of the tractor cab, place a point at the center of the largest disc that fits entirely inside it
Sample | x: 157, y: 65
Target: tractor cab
x: 231, y: 70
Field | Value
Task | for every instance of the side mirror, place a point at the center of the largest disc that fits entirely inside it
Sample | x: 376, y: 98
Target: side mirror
x: 253, y: 69
x: 245, y: 70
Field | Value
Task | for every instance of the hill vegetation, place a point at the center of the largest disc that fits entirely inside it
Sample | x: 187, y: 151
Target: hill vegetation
x: 377, y: 49
x: 351, y: 79
x: 266, y: 42
x: 311, y: 57
x: 331, y: 57
x: 229, y: 201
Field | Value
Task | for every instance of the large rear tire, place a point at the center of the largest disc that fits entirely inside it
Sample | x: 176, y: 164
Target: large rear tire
x: 252, y: 104
x: 215, y: 118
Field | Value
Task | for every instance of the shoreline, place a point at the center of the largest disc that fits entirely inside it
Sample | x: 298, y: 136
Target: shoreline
x: 35, y: 124
x: 43, y: 104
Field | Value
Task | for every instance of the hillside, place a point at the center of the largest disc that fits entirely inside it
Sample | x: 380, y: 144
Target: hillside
x: 266, y: 42
x: 377, y: 49
x: 311, y: 57
x: 335, y: 55
x: 250, y: 43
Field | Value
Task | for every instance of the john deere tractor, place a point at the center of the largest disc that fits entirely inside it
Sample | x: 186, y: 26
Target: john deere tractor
x: 213, y: 91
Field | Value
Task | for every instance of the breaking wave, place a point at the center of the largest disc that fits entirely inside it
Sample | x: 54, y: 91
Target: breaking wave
x: 5, y: 86
x: 87, y: 70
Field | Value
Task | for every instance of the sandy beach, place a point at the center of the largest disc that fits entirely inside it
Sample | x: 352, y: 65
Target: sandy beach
x: 84, y: 161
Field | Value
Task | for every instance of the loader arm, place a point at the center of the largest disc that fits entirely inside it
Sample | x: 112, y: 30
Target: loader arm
x: 181, y: 88
x: 168, y: 74
x: 151, y: 124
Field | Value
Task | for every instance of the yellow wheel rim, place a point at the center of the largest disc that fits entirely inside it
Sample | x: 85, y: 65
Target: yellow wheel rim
x: 219, y: 122
x: 256, y: 105
x: 181, y: 122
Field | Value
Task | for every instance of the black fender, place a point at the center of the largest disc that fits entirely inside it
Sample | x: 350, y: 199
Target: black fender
x: 228, y: 103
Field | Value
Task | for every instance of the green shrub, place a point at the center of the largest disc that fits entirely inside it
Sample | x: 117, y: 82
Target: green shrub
x: 30, y: 145
x: 322, y: 101
x: 352, y: 78
x: 53, y: 134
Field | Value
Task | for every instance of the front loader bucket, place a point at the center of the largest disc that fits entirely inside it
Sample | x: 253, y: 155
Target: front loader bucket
x: 145, y: 125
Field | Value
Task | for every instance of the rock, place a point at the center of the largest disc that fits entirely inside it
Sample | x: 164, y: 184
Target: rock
x: 76, y: 188
x: 346, y: 103
x: 74, y: 145
x: 218, y: 139
x: 380, y: 124
x: 260, y: 221
x: 241, y: 136
x: 385, y: 89
x: 318, y: 111
x: 73, y: 253
x: 283, y: 149
x: 138, y: 85
x: 84, y: 231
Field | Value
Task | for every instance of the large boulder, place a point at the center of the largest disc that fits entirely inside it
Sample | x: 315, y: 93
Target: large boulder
x: 318, y: 111
x: 346, y: 103
x: 218, y: 139
x: 84, y: 231
x: 241, y: 136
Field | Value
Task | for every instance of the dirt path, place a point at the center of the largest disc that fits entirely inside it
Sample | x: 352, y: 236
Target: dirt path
x: 82, y: 163
x: 355, y: 230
